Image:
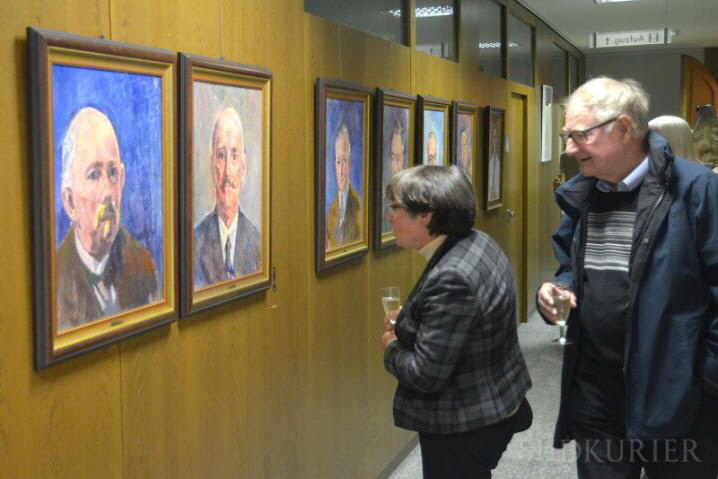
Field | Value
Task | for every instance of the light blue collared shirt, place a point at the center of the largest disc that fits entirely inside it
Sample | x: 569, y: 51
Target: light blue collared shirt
x: 630, y: 182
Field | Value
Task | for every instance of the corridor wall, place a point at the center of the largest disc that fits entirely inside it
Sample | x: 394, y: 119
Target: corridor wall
x: 287, y: 384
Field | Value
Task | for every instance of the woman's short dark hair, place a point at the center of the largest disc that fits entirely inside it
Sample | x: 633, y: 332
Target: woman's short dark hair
x: 444, y: 191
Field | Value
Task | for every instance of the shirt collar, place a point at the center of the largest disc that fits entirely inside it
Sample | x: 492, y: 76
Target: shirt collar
x: 225, y: 232
x: 630, y: 182
x: 430, y: 248
x: 95, y: 267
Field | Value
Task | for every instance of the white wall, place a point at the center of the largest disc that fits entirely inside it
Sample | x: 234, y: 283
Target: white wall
x: 659, y: 71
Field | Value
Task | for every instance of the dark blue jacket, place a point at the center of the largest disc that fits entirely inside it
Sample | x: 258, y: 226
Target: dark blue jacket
x: 671, y: 354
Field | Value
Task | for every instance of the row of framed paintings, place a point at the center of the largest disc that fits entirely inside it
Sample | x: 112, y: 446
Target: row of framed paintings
x: 407, y: 131
x: 151, y: 182
x: 151, y: 188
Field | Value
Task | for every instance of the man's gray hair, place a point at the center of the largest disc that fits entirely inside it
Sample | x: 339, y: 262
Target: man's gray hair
x: 606, y: 97
x: 344, y: 131
x: 227, y: 113
x: 69, y: 141
x: 444, y: 191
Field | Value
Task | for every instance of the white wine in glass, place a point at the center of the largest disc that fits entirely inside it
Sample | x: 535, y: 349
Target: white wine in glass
x: 391, y: 300
x: 562, y: 303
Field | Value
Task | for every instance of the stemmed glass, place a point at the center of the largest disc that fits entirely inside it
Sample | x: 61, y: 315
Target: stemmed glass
x: 562, y: 303
x: 391, y: 299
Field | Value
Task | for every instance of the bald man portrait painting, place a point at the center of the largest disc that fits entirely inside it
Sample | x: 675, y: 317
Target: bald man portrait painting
x: 108, y: 197
x: 102, y: 268
x: 227, y: 190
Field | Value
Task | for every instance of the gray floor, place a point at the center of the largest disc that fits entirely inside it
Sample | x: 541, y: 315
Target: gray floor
x: 530, y: 454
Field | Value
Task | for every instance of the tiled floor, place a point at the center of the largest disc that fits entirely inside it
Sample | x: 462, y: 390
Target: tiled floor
x: 530, y: 454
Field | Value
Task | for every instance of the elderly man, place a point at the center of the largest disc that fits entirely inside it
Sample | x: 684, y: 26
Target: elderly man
x: 226, y: 243
x: 432, y: 149
x: 454, y: 347
x: 638, y: 254
x: 397, y: 162
x: 345, y: 212
x: 101, y: 269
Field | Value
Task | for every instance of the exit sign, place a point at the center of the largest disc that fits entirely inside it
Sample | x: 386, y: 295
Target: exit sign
x: 630, y: 39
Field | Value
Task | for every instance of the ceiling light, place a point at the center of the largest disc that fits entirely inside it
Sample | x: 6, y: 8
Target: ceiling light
x: 497, y: 44
x: 612, y: 1
x: 423, y: 12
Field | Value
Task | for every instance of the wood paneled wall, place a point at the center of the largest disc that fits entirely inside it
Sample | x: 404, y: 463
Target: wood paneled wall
x: 286, y: 385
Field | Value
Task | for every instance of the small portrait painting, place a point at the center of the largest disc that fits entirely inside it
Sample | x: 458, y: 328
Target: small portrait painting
x: 342, y: 151
x: 434, y: 138
x: 465, y: 143
x: 227, y: 171
x: 395, y: 152
x: 108, y: 193
x: 494, y: 156
x: 344, y: 173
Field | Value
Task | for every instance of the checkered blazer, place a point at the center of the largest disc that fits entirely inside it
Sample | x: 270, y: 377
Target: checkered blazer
x: 457, y: 357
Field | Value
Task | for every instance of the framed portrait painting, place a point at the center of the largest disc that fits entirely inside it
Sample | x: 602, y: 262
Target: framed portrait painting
x: 104, y: 198
x: 464, y: 133
x: 225, y: 186
x: 494, y: 157
x: 432, y: 125
x: 394, y: 150
x: 342, y: 151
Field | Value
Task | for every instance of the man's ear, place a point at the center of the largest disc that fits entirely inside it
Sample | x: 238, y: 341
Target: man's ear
x: 625, y: 126
x: 68, y: 203
x: 426, y: 218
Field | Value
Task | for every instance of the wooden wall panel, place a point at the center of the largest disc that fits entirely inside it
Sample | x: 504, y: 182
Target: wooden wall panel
x: 277, y: 336
x: 287, y: 384
x: 64, y: 421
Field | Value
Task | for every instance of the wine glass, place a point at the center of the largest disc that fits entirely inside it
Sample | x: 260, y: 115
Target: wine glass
x: 562, y: 303
x: 391, y: 299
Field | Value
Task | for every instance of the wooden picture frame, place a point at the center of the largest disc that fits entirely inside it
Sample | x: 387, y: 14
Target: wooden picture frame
x: 493, y: 157
x: 103, y: 129
x: 393, y: 151
x: 432, y: 126
x: 464, y: 138
x: 342, y: 120
x: 225, y: 152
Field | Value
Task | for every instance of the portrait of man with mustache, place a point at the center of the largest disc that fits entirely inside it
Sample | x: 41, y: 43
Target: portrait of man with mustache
x: 226, y: 243
x: 102, y: 270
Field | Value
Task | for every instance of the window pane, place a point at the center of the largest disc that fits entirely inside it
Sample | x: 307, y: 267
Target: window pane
x: 521, y: 63
x: 558, y: 72
x: 490, y: 57
x: 380, y: 17
x: 573, y: 64
x: 436, y: 27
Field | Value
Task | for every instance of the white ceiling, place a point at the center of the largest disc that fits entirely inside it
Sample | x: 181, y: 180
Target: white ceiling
x: 695, y: 20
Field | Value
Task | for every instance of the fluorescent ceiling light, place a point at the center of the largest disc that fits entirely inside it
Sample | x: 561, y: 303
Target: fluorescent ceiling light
x: 612, y: 1
x: 497, y: 44
x: 433, y: 11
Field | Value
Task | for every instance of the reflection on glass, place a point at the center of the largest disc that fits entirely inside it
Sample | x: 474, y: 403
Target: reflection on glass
x: 521, y: 64
x: 573, y: 65
x: 436, y: 27
x: 384, y: 18
x: 558, y: 72
x: 490, y: 46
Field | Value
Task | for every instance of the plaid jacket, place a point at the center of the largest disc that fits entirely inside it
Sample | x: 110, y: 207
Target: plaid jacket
x: 457, y: 357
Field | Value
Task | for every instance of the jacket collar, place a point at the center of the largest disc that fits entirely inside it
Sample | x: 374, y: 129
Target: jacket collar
x: 574, y: 196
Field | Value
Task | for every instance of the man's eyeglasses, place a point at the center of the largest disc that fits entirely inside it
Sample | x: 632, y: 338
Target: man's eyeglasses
x: 581, y: 136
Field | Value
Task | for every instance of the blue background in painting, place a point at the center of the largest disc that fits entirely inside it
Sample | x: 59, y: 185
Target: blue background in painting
x: 352, y: 113
x: 133, y: 103
x: 434, y: 121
